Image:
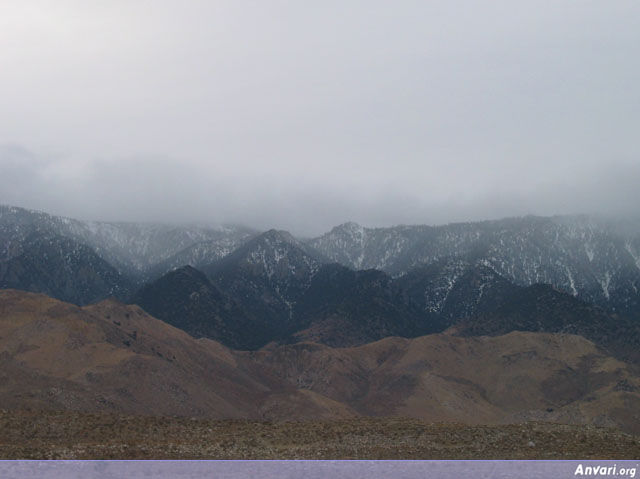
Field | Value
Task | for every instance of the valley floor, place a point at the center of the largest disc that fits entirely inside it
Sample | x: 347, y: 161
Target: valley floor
x: 66, y: 435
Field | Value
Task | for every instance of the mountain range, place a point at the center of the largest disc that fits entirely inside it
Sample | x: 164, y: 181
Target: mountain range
x: 136, y: 250
x: 503, y: 321
x: 594, y: 259
x: 348, y: 287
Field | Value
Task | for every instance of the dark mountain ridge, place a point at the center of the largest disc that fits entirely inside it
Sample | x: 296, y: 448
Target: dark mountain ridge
x: 62, y: 268
x: 343, y: 307
x: 267, y: 275
x: 543, y: 308
x: 186, y: 299
x: 282, y: 293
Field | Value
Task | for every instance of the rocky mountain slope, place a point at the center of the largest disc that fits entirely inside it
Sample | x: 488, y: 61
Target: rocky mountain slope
x: 137, y: 250
x: 245, y: 309
x: 271, y: 290
x: 272, y: 287
x: 186, y: 299
x: 63, y: 268
x: 542, y: 308
x: 448, y: 291
x: 474, y: 300
x: 268, y: 275
x: 343, y: 307
x: 594, y: 259
x: 84, y: 262
x: 339, y: 307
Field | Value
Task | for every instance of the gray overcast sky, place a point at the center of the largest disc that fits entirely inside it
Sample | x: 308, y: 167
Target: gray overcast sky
x: 302, y: 115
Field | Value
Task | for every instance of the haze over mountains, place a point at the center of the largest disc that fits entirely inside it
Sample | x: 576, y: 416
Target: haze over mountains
x: 348, y: 287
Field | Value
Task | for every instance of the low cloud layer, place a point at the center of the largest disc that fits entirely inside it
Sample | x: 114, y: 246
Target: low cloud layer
x: 159, y: 189
x: 303, y: 116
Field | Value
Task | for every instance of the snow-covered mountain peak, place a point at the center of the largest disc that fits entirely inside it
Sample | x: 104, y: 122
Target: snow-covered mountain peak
x: 275, y: 237
x: 279, y: 253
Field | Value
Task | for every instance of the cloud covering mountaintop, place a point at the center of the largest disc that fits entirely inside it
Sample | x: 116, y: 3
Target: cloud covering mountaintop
x: 303, y: 116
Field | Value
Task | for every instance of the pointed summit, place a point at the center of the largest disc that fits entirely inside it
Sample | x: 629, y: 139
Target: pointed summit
x: 345, y: 244
x: 277, y: 236
x: 270, y: 273
x: 272, y: 254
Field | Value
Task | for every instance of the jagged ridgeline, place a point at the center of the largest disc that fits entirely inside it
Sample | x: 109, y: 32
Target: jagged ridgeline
x: 349, y: 287
x: 595, y: 259
x: 85, y: 261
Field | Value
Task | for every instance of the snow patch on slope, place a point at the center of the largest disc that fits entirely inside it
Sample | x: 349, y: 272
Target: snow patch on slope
x: 437, y: 293
x: 636, y: 257
x: 572, y: 283
x: 605, y: 283
x: 588, y: 249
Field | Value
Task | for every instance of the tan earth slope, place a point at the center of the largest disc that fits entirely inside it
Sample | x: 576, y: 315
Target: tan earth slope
x: 110, y: 357
x: 484, y: 380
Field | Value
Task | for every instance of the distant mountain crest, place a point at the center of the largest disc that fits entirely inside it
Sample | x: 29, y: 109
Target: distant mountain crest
x: 596, y: 260
x: 138, y: 250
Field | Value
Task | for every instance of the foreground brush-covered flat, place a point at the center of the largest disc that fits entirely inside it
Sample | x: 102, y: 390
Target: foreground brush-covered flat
x: 65, y: 435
